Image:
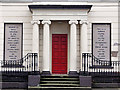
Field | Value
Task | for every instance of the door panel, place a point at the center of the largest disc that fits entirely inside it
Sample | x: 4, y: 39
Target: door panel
x: 59, y: 53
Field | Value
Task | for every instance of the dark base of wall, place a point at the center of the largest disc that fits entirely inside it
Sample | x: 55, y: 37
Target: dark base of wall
x: 106, y: 85
x: 18, y: 80
x: 73, y: 73
x: 45, y: 73
x: 14, y: 85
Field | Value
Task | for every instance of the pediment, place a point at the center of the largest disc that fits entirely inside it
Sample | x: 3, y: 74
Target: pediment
x: 59, y: 12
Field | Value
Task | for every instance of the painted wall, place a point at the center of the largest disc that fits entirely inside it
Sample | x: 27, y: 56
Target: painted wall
x: 57, y: 0
x: 19, y: 12
x: 105, y: 13
x: 16, y: 13
x: 1, y: 33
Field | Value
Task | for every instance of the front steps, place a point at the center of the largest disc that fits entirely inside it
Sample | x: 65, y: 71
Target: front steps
x: 59, y: 83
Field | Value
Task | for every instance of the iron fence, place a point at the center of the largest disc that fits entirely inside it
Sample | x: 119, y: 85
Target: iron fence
x: 101, y: 71
x: 92, y: 64
x: 29, y: 63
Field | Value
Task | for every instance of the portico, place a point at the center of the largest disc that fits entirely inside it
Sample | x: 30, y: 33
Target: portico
x: 66, y: 18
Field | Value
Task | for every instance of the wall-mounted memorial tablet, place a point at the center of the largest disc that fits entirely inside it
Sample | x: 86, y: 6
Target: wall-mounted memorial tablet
x: 101, y: 41
x: 13, y: 41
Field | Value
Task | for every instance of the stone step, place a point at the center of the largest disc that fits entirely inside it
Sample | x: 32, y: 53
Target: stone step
x: 60, y: 78
x: 59, y: 88
x: 57, y: 85
x: 70, y: 82
x: 60, y: 81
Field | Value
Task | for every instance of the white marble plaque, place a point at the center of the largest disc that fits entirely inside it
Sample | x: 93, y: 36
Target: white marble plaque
x: 13, y: 42
x: 101, y: 41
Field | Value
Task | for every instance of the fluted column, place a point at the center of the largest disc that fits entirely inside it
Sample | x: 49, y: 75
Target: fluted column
x: 73, y: 47
x: 35, y: 36
x: 46, y: 47
x: 84, y: 37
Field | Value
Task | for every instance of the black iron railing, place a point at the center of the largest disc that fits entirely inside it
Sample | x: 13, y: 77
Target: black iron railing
x: 29, y: 63
x: 92, y: 64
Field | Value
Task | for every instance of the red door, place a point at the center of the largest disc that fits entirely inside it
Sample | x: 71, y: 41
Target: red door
x: 59, y: 53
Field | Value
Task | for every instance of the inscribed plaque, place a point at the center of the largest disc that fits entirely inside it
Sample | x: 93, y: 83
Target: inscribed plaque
x: 101, y: 41
x: 13, y: 42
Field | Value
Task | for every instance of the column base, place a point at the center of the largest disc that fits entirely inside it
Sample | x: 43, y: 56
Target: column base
x: 73, y: 73
x: 45, y: 73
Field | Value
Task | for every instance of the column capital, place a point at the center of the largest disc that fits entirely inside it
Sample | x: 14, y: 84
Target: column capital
x: 83, y: 22
x: 35, y: 22
x: 73, y: 22
x: 46, y: 22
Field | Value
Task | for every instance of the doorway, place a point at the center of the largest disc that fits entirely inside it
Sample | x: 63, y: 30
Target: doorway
x: 59, y: 53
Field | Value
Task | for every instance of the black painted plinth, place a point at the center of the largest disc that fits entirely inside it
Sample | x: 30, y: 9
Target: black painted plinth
x: 45, y: 73
x: 33, y: 80
x: 85, y: 81
x: 73, y: 73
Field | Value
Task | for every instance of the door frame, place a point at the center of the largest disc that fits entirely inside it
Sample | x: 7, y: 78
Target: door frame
x: 67, y: 52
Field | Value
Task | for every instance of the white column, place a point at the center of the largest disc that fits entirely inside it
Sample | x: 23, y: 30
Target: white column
x: 73, y: 45
x: 46, y: 45
x: 84, y: 37
x: 35, y: 36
